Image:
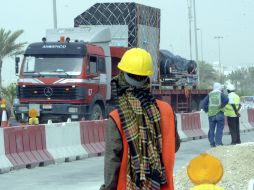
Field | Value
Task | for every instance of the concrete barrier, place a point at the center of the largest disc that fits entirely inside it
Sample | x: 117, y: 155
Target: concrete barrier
x: 186, y: 125
x: 30, y: 146
x: 251, y: 116
x: 196, y: 125
x: 5, y: 164
x: 251, y: 184
x: 64, y: 142
x: 244, y: 121
x: 226, y: 128
x: 182, y: 135
x: 92, y: 136
x: 25, y: 147
x: 204, y: 122
x: 191, y: 125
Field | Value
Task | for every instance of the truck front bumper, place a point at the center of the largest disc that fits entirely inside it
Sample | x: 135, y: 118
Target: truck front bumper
x: 51, y: 111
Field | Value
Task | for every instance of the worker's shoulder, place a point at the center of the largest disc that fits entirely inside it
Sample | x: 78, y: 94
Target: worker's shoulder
x: 224, y: 96
x: 114, y: 113
x: 163, y: 104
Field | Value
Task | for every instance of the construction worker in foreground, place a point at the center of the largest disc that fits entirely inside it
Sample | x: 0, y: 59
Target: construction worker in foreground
x: 213, y: 104
x: 141, y: 137
x: 232, y: 113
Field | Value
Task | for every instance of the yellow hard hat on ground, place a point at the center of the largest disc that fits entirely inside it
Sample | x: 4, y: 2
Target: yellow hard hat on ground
x: 205, y: 169
x: 137, y: 61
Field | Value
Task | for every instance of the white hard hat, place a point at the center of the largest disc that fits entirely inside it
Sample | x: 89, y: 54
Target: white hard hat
x: 217, y: 86
x: 230, y: 87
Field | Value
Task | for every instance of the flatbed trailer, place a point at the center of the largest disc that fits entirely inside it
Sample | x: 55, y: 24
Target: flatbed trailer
x: 182, y: 100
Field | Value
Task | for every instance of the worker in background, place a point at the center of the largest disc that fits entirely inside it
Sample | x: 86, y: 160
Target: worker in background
x: 213, y: 104
x: 141, y: 137
x: 232, y: 113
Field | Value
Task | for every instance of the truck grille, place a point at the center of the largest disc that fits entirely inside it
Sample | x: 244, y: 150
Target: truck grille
x: 52, y: 92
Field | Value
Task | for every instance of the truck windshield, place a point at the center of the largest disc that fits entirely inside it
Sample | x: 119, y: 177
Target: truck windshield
x: 49, y: 65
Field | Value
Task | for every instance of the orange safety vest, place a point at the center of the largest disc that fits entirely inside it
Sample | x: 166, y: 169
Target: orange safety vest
x: 168, y: 145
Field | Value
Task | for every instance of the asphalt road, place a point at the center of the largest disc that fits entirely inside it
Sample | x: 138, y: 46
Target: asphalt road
x: 88, y: 174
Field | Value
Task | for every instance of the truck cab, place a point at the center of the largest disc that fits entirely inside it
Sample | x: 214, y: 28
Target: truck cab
x: 65, y: 79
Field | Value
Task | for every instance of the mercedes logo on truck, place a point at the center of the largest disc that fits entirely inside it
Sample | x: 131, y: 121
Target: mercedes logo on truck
x: 48, y: 91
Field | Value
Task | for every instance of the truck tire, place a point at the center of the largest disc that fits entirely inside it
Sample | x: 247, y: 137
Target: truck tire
x: 96, y: 112
x: 194, y: 106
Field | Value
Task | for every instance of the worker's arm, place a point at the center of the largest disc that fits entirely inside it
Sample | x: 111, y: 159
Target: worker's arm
x: 224, y: 100
x: 113, y: 156
x: 235, y: 110
x: 205, y: 104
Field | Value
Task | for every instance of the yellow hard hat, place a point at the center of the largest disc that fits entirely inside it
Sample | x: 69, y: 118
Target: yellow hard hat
x: 205, y: 169
x: 136, y: 61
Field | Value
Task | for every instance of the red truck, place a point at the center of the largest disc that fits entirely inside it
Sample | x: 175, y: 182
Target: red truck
x: 68, y: 73
x: 67, y: 79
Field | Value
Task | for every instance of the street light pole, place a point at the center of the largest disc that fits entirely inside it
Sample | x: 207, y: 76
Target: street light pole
x: 201, y: 43
x: 220, y: 65
x: 195, y: 30
x: 190, y: 20
x: 54, y: 14
x: 196, y: 40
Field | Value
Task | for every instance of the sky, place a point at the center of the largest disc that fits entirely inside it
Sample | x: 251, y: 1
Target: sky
x: 233, y: 20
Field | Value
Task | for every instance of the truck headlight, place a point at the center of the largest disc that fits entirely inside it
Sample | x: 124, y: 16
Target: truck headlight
x: 72, y: 110
x: 74, y: 116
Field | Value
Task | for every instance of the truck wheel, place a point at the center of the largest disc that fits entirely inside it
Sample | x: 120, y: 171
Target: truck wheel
x: 200, y: 105
x: 194, y: 106
x: 96, y: 112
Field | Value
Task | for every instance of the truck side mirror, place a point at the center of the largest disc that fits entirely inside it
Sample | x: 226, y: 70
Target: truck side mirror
x: 17, y: 60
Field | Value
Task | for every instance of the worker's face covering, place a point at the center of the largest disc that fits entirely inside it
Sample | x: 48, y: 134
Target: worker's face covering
x: 140, y: 118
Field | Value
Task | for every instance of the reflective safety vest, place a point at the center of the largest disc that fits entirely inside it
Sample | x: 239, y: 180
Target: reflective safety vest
x: 229, y: 110
x: 168, y: 145
x: 214, y: 103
